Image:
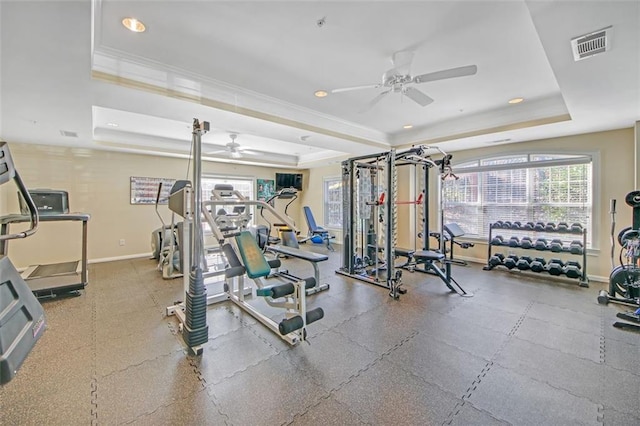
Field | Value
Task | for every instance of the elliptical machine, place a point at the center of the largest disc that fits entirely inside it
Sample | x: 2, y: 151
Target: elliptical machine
x: 624, y: 280
x: 165, y: 244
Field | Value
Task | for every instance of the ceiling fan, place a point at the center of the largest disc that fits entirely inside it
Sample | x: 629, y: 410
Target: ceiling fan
x: 399, y: 79
x: 232, y: 149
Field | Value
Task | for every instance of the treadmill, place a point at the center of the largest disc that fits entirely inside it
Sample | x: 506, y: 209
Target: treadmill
x: 51, y: 280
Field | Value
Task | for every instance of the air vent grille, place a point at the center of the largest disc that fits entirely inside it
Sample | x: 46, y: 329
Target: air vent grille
x: 68, y: 134
x: 588, y: 45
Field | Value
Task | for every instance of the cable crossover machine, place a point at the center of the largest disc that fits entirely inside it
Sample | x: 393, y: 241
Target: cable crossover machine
x: 370, y: 212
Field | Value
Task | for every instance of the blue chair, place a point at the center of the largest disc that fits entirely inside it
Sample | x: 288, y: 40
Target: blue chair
x: 315, y: 230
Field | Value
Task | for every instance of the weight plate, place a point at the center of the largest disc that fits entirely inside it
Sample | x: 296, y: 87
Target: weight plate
x: 633, y: 199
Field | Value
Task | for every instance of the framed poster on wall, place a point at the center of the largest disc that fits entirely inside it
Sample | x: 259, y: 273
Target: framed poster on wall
x: 144, y: 190
x: 266, y: 188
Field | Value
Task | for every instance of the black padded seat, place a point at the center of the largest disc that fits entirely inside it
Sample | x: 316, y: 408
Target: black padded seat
x: 403, y: 252
x: 428, y: 255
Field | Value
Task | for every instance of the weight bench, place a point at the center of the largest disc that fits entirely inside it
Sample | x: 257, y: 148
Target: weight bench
x: 408, y: 253
x: 289, y: 296
x: 428, y: 258
x: 313, y: 283
x: 451, y: 232
x: 314, y: 229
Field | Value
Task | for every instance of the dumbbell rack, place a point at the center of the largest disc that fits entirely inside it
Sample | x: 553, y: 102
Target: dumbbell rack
x: 583, y: 279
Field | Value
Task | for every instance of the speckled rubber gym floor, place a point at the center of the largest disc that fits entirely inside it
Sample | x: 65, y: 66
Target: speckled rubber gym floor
x: 524, y: 350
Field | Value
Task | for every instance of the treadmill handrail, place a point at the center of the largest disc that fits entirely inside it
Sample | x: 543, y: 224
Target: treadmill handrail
x: 33, y: 210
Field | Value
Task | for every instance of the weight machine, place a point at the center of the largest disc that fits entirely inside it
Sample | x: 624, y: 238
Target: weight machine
x: 370, y: 224
x: 624, y: 280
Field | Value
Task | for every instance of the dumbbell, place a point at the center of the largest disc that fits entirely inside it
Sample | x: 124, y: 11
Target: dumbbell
x: 555, y: 246
x: 514, y: 242
x: 572, y: 269
x: 562, y: 227
x: 541, y: 244
x: 528, y: 226
x: 511, y: 261
x: 524, y: 263
x: 506, y: 224
x: 576, y: 247
x: 537, y: 265
x: 576, y: 227
x: 497, y: 224
x: 539, y: 226
x: 496, y: 259
x: 555, y: 267
x: 526, y: 243
x: 498, y: 240
x: 516, y: 225
x: 550, y: 227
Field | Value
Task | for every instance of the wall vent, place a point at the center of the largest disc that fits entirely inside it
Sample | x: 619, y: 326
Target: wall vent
x: 594, y: 43
x: 68, y: 134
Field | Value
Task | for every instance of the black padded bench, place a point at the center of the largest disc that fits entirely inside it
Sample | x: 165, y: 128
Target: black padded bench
x: 428, y: 259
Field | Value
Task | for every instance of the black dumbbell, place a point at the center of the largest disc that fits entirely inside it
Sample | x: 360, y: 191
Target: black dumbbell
x: 572, y: 269
x: 496, y: 259
x: 516, y: 225
x: 539, y: 226
x: 550, y: 227
x: 555, y: 246
x: 514, y: 242
x: 511, y: 261
x: 498, y: 240
x: 526, y: 243
x: 576, y: 247
x: 528, y: 226
x: 537, y: 265
x: 576, y: 227
x: 562, y: 227
x: 506, y: 224
x: 497, y: 224
x: 541, y: 244
x: 524, y: 263
x: 555, y: 267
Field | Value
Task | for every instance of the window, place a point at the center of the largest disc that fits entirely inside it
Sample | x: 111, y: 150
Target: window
x: 333, y: 203
x: 241, y: 184
x: 525, y: 188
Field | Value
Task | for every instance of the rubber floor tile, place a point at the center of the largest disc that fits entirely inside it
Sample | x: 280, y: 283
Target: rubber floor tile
x: 521, y: 400
x: 330, y: 359
x: 385, y: 394
x: 142, y: 389
x: 196, y: 409
x: 580, y: 344
x: 270, y: 393
x: 328, y: 412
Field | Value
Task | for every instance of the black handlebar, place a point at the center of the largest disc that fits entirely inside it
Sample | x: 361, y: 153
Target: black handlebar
x: 7, y: 173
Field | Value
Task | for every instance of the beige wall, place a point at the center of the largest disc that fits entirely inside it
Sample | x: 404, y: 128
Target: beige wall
x: 98, y: 183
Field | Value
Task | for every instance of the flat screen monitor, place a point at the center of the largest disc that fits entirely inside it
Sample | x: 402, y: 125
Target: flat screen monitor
x: 289, y: 180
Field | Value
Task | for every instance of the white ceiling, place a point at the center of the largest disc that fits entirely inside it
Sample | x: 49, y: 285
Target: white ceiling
x: 251, y: 68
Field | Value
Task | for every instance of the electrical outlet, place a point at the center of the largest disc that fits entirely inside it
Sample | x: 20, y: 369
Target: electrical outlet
x: 122, y: 241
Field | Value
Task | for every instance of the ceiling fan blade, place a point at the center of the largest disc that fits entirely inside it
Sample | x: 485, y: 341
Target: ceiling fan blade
x: 220, y: 151
x: 348, y: 89
x: 417, y: 96
x: 450, y: 73
x: 375, y: 101
x: 402, y: 61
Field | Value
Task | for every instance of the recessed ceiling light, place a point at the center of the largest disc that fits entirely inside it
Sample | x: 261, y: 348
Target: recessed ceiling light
x: 112, y: 124
x: 134, y: 25
x: 408, y: 126
x: 320, y: 93
x: 516, y: 100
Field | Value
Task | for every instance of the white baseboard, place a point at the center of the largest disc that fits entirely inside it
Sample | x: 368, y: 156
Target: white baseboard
x: 125, y: 257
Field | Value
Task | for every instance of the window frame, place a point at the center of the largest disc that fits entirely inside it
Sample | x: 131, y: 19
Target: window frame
x: 325, y: 181
x: 579, y: 158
